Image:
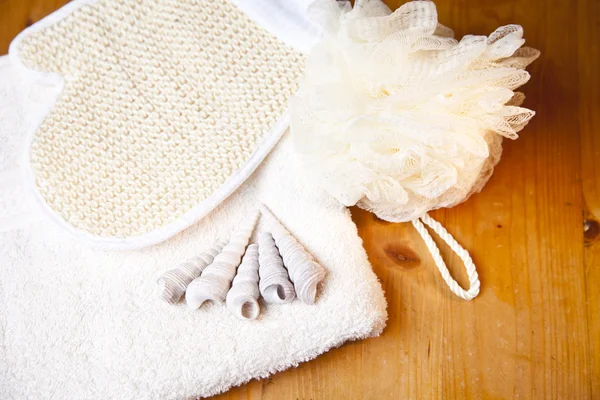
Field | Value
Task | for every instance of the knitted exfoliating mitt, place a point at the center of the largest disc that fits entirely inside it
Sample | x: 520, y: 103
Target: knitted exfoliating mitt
x: 167, y: 107
x: 398, y: 117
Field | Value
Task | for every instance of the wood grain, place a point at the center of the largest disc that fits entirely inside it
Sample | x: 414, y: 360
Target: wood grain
x: 16, y: 15
x: 534, y: 232
x: 588, y: 63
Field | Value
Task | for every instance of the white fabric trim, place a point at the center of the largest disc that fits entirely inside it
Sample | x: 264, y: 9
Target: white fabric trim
x: 16, y: 210
x: 286, y: 19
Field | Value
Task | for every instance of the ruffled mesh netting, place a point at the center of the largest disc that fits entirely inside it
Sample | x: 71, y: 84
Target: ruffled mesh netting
x: 397, y: 116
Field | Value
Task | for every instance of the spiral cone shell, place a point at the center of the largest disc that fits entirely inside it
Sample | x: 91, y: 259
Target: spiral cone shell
x: 215, y: 280
x: 242, y: 298
x: 172, y: 284
x: 304, y: 271
x: 275, y: 286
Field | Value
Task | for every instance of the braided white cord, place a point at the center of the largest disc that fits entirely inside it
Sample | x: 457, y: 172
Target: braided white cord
x: 457, y: 248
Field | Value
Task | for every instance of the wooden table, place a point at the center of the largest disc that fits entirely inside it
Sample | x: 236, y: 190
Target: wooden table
x: 534, y: 332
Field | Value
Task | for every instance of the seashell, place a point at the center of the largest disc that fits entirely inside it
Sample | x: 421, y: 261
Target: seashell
x: 215, y: 280
x: 304, y: 271
x: 173, y: 283
x: 275, y: 285
x: 242, y: 298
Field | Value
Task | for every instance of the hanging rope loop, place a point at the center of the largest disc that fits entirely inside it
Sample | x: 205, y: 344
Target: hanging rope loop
x: 439, y: 262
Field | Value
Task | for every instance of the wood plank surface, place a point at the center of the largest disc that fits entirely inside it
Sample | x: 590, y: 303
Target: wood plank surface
x: 534, y: 233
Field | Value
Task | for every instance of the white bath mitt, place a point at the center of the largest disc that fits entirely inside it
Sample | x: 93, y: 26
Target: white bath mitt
x: 166, y: 108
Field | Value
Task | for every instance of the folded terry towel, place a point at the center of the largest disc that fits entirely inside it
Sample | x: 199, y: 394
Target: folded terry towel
x: 83, y: 323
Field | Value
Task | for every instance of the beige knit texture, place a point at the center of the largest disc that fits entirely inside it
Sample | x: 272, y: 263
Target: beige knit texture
x: 163, y: 101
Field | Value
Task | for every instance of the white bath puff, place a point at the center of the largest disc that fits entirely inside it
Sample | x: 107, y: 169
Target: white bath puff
x: 397, y: 116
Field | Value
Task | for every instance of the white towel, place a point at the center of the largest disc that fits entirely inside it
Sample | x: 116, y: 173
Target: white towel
x: 83, y: 323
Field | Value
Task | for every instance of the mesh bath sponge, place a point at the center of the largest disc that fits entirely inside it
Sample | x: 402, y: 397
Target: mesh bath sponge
x: 396, y: 116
